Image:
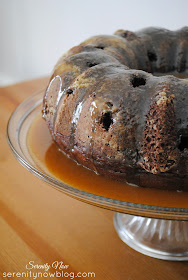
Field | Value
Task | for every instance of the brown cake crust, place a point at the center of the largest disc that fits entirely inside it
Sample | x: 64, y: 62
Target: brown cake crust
x: 107, y: 111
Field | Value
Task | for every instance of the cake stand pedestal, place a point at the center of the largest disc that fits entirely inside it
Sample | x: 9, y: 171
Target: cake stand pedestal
x: 163, y: 231
x: 161, y: 239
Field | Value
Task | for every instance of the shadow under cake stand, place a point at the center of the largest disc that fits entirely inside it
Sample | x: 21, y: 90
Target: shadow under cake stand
x: 157, y: 231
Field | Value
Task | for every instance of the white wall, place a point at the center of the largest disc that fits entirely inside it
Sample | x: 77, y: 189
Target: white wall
x: 34, y: 33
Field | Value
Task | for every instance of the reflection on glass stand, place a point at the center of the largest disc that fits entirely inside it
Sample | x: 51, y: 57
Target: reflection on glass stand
x: 162, y: 239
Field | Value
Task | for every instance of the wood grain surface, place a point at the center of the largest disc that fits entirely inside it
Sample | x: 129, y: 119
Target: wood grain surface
x: 43, y: 225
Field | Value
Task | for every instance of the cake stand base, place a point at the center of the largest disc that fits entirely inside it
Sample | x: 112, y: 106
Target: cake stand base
x: 161, y: 239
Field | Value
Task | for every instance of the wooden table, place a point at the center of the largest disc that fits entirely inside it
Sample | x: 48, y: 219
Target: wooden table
x: 42, y: 225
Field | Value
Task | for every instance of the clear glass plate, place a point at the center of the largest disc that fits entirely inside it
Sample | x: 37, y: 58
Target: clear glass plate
x: 17, y: 133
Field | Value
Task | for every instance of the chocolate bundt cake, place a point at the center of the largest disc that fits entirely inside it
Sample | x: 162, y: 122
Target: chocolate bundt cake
x: 107, y: 111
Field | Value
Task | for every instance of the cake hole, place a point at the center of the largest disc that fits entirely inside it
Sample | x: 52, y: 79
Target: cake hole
x: 152, y: 56
x: 128, y: 35
x: 109, y: 104
x: 124, y: 34
x: 100, y: 47
x: 148, y: 139
x: 106, y: 120
x: 138, y: 81
x: 91, y: 64
x: 69, y: 91
x: 183, y: 143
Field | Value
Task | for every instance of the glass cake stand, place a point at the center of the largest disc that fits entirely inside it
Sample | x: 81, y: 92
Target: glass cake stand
x: 155, y: 230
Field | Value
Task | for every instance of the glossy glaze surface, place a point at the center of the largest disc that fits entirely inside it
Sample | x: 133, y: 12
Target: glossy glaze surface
x: 49, y: 158
x: 106, y: 110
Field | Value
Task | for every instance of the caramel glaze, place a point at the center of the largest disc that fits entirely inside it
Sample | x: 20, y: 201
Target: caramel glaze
x: 53, y: 162
x: 107, y: 112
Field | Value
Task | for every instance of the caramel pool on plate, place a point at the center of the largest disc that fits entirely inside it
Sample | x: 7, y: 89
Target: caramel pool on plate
x: 57, y: 165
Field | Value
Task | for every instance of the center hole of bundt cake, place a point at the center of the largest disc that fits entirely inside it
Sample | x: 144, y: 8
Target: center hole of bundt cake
x: 183, y: 143
x: 138, y: 81
x: 106, y: 120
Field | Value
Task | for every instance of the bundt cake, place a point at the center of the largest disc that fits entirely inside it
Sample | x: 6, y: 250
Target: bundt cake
x: 107, y: 110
